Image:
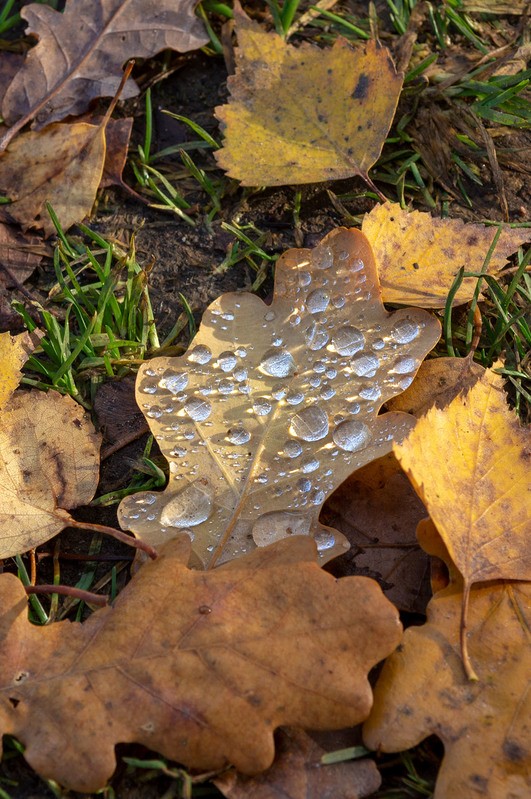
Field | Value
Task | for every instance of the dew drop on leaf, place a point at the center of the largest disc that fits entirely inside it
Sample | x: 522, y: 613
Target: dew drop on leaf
x: 404, y: 366
x: 365, y: 365
x: 273, y: 526
x: 317, y: 301
x: 173, y: 381
x: 351, y: 436
x: 405, y: 331
x: 200, y: 354
x: 315, y: 336
x: 348, y: 340
x: 310, y: 465
x: 262, y: 406
x: 311, y: 424
x: 227, y: 361
x: 325, y: 539
x: 277, y: 363
x: 191, y: 506
x: 291, y: 449
x: 238, y: 435
x: 198, y: 409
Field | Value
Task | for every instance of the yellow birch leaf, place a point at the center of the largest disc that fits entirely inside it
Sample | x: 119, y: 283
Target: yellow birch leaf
x: 14, y: 352
x: 418, y: 256
x: 303, y: 114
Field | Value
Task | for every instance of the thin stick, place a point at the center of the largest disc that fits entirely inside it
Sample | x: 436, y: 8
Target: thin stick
x: 137, y: 543
x: 68, y: 590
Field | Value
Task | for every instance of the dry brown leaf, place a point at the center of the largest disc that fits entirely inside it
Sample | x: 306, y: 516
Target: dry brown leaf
x: 20, y: 254
x: 274, y: 406
x: 305, y: 114
x: 378, y: 511
x: 297, y: 773
x: 81, y: 52
x: 117, y: 135
x: 14, y: 352
x: 49, y: 457
x: 484, y: 725
x: 418, y: 256
x: 205, y: 678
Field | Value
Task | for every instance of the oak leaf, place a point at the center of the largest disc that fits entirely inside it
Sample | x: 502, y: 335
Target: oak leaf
x: 305, y: 114
x: 297, y: 773
x: 484, y: 725
x: 274, y: 406
x: 205, y: 678
x: 419, y: 256
x: 49, y: 462
x: 81, y: 52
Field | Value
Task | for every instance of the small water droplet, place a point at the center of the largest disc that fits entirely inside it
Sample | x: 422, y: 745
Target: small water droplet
x: 305, y: 279
x: 238, y: 435
x: 262, y: 406
x: 277, y: 363
x: 319, y: 367
x: 405, y: 331
x: 291, y: 449
x: 351, y: 436
x: 241, y: 352
x: 327, y: 392
x: 294, y: 397
x: 325, y: 539
x: 343, y: 255
x: 323, y: 257
x: 331, y: 373
x: 178, y: 452
x: 315, y: 336
x: 294, y: 320
x: 173, y: 381
x: 311, y: 424
x: 304, y: 485
x: 365, y: 365
x: 227, y: 361
x: 371, y: 393
x: 155, y: 412
x: 317, y: 301
x: 357, y: 265
x: 240, y: 374
x: 314, y: 381
x: 317, y: 498
x: 309, y: 465
x: 148, y: 387
x: 228, y: 316
x: 146, y: 499
x: 150, y: 372
x: 225, y: 386
x: 404, y: 366
x: 405, y: 383
x: 339, y: 301
x: 261, y: 478
x: 277, y: 341
x: 198, y: 409
x: 200, y: 354
x: 191, y: 506
x: 278, y: 392
x: 348, y: 340
x: 269, y: 316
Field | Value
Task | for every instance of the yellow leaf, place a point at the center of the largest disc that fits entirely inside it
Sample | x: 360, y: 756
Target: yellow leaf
x: 14, y: 352
x: 302, y: 114
x: 419, y: 256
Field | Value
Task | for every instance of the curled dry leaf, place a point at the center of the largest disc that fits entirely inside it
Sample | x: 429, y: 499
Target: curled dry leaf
x: 423, y: 690
x: 305, y: 114
x: 49, y: 462
x: 297, y: 773
x: 265, y: 640
x: 274, y: 406
x: 419, y: 256
x: 81, y: 52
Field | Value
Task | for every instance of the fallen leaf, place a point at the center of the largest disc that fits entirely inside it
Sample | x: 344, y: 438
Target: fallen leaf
x: 418, y: 256
x: 62, y: 165
x: 378, y: 511
x: 274, y: 406
x: 266, y: 640
x: 20, y: 254
x: 297, y: 773
x: 117, y: 135
x: 48, y: 463
x: 81, y: 52
x: 483, y: 725
x: 437, y: 382
x: 14, y: 352
x: 305, y: 114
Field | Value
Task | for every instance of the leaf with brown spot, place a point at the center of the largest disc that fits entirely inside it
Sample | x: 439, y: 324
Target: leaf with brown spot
x: 418, y: 256
x: 266, y: 640
x: 297, y: 773
x: 49, y: 458
x: 305, y: 114
x: 484, y: 725
x: 274, y: 406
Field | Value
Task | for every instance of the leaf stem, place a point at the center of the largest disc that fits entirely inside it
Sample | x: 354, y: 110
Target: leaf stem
x: 68, y: 590
x: 137, y: 543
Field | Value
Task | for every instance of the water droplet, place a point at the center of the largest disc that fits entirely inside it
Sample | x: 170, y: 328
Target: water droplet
x: 148, y: 387
x: 317, y: 301
x: 304, y: 485
x: 262, y: 406
x: 291, y: 449
x: 325, y: 539
x: 173, y: 381
x: 198, y: 409
x: 315, y: 336
x: 354, y: 407
x: 269, y: 316
x: 294, y: 397
x: 309, y: 465
x: 357, y: 265
x: 323, y: 257
x: 178, y: 452
x: 405, y: 331
x: 348, y: 340
x: 294, y: 320
x: 405, y: 383
x: 405, y: 366
x: 277, y: 363
x: 365, y: 365
x: 343, y: 255
x: 277, y: 341
x: 240, y: 374
x: 225, y: 386
x: 238, y: 435
x: 319, y: 367
x: 146, y: 499
x: 371, y: 393
x: 339, y: 301
x: 331, y: 373
x: 228, y: 316
x: 261, y: 478
x: 191, y: 506
x: 244, y: 387
x: 200, y: 354
x: 278, y: 392
x: 311, y: 424
x: 317, y: 498
x: 273, y: 526
x: 378, y: 344
x: 227, y: 361
x: 351, y: 436
x: 241, y: 352
x: 305, y: 279
x: 314, y: 381
x: 150, y: 372
x: 327, y: 392
x: 155, y: 412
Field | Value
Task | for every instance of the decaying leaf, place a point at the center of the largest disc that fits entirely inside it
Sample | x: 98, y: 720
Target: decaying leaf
x: 19, y: 254
x: 62, y: 165
x: 117, y: 135
x: 205, y: 678
x: 49, y: 458
x: 419, y: 256
x: 305, y: 114
x: 484, y: 725
x: 378, y: 511
x: 274, y: 406
x: 14, y: 352
x: 297, y: 773
x: 81, y: 52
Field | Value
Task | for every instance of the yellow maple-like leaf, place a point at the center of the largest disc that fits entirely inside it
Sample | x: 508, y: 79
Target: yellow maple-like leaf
x: 14, y: 352
x: 302, y: 114
x: 469, y: 464
x: 418, y: 256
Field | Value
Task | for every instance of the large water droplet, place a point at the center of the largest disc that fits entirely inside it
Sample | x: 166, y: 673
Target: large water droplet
x: 189, y: 507
x: 317, y: 301
x: 277, y: 363
x: 315, y: 336
x: 348, y: 340
x: 238, y: 435
x: 404, y: 366
x: 323, y: 257
x: 351, y: 436
x: 291, y: 449
x: 311, y: 424
x: 227, y: 361
x: 225, y: 386
x: 371, y: 393
x: 173, y: 381
x: 365, y: 365
x: 200, y: 354
x: 262, y: 406
x: 405, y: 331
x: 198, y: 409
x: 275, y: 525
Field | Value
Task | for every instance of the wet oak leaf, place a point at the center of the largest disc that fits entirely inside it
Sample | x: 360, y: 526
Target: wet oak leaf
x: 418, y: 256
x: 205, y: 678
x: 305, y: 114
x: 274, y: 406
x: 297, y: 773
x: 484, y: 725
x: 469, y: 463
x: 48, y: 464
x: 81, y: 51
